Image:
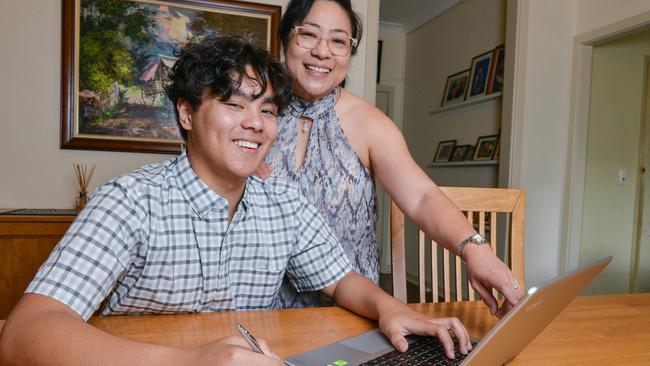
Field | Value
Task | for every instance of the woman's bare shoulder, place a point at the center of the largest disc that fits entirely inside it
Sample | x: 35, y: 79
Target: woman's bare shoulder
x: 352, y: 107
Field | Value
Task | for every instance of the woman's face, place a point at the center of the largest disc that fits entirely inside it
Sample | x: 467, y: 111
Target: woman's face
x: 317, y: 71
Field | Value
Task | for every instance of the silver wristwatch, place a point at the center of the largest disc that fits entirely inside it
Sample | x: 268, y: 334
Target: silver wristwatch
x: 474, y: 239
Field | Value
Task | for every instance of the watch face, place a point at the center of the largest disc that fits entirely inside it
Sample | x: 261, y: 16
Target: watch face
x: 478, y: 239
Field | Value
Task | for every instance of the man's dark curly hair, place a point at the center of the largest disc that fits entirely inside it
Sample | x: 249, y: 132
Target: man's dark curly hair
x: 218, y: 64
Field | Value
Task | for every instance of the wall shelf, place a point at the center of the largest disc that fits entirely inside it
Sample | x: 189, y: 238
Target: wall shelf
x: 466, y: 103
x: 463, y: 163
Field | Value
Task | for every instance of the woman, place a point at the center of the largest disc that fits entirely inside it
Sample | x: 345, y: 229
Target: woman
x: 333, y: 143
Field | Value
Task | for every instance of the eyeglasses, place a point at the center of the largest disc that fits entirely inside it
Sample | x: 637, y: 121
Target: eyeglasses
x: 339, y: 45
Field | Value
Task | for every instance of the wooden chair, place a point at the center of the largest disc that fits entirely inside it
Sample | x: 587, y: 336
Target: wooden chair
x: 481, y: 206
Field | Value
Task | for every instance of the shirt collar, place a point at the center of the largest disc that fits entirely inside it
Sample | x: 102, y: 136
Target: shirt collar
x: 200, y: 197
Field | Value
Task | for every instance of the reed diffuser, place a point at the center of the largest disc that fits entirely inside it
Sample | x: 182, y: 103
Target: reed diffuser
x: 84, y: 174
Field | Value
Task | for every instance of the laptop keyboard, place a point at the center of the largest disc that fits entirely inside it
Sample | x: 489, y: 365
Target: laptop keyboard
x: 422, y: 351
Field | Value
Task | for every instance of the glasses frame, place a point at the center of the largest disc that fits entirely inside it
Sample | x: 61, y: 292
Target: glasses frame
x: 353, y: 42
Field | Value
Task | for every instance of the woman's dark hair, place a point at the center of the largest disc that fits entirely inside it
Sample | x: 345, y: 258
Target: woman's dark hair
x: 218, y: 64
x: 297, y: 10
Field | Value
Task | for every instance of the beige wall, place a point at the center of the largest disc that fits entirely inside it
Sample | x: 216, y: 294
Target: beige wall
x: 613, y: 144
x: 593, y: 14
x: 35, y: 172
x: 437, y: 49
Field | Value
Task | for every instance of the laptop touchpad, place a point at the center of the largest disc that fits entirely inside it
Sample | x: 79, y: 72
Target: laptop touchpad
x: 371, y: 342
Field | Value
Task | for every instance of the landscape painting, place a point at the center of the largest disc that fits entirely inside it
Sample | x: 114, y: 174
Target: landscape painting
x: 116, y: 57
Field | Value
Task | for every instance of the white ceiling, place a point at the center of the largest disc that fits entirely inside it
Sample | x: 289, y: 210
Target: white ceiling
x: 410, y: 14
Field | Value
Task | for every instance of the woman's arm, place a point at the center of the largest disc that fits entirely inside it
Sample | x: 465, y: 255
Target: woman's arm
x: 378, y: 141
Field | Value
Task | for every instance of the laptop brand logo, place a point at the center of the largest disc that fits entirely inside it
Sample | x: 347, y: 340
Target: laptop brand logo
x: 532, y: 306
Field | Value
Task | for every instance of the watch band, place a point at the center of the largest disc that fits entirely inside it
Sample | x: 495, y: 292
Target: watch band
x: 476, y: 239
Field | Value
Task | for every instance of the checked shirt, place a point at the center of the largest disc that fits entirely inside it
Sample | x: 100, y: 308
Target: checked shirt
x: 157, y: 240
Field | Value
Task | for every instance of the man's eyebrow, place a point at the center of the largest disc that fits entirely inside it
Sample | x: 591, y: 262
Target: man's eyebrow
x: 250, y: 97
x: 335, y: 30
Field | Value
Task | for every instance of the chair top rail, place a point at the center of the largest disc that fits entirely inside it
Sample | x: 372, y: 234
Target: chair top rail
x: 484, y: 199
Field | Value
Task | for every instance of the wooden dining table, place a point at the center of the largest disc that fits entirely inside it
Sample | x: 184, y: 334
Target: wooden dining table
x: 592, y: 330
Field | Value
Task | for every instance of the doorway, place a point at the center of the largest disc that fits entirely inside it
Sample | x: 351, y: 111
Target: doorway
x: 613, y: 181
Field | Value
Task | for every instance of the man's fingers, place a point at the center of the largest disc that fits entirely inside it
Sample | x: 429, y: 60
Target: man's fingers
x: 265, y: 348
x: 462, y: 337
x: 399, y: 342
x: 443, y: 335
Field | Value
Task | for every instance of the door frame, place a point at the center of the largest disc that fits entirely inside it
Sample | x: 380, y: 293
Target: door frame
x: 579, y: 121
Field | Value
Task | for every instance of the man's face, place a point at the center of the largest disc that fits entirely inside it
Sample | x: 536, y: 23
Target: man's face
x: 228, y: 139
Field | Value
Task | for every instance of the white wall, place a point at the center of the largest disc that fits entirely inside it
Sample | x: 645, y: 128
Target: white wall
x: 545, y: 117
x: 35, y: 173
x: 393, y: 65
x: 551, y: 26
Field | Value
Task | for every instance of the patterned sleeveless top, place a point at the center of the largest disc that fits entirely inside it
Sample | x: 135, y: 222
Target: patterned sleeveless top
x: 335, y: 180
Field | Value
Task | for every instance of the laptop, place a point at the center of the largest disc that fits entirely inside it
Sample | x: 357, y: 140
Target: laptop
x: 537, y: 308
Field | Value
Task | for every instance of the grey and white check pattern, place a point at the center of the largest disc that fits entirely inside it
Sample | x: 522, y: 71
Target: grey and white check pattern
x: 157, y: 240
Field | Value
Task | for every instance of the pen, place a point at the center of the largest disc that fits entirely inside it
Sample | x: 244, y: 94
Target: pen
x: 249, y: 338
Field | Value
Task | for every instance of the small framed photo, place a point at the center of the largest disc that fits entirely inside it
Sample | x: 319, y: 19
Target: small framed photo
x: 480, y: 72
x: 459, y: 153
x: 485, y: 147
x: 470, y: 152
x: 495, y: 83
x: 443, y: 153
x: 456, y: 88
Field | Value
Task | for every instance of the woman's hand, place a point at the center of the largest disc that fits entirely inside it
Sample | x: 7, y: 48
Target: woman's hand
x: 486, y: 271
x: 264, y: 170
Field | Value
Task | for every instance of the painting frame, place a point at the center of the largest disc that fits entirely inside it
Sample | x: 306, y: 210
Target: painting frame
x: 456, y: 83
x: 495, y: 82
x: 485, y: 147
x: 459, y: 152
x: 70, y: 137
x: 443, y: 151
x: 479, y: 74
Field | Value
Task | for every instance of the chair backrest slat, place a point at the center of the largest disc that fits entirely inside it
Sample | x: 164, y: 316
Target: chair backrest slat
x: 481, y: 206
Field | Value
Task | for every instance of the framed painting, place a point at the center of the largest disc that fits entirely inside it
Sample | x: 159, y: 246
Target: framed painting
x: 443, y: 152
x: 495, y: 84
x: 455, y: 88
x: 116, y: 55
x: 459, y: 153
x: 478, y: 78
x: 485, y: 147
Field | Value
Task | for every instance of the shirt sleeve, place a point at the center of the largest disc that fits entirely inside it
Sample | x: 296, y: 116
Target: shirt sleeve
x: 319, y: 259
x: 85, y: 265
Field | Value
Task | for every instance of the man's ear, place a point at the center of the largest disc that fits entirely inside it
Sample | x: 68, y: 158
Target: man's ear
x: 184, y: 114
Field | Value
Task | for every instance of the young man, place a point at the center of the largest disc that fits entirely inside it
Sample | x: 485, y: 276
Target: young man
x: 197, y: 233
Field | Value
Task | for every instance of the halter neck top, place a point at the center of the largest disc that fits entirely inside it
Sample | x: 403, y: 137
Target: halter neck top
x: 335, y: 180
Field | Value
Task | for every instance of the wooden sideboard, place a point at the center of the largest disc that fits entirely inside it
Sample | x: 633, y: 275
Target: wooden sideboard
x: 25, y: 243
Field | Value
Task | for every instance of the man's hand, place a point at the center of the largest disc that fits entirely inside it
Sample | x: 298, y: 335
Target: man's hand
x: 233, y: 351
x: 404, y: 321
x: 485, y: 272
